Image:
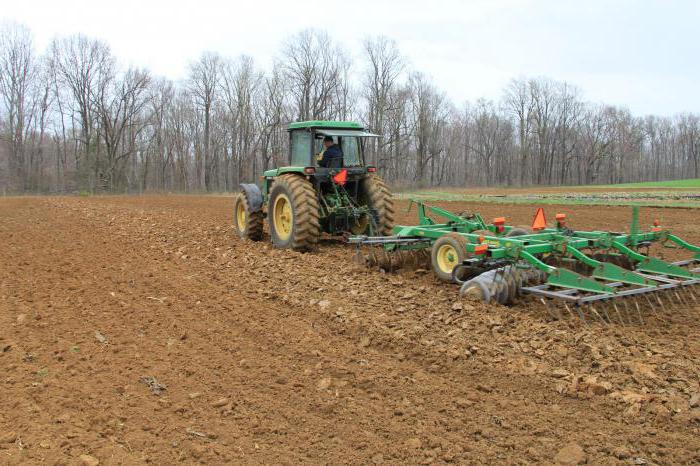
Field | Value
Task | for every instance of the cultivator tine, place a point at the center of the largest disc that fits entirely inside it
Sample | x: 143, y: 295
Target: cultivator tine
x: 661, y: 302
x: 571, y: 314
x: 628, y: 313
x: 681, y: 297
x: 689, y: 297
x: 625, y: 312
x: 651, y: 306
x: 684, y: 292
x: 673, y: 298
x: 619, y: 316
x: 557, y: 307
x: 598, y: 315
x: 549, y: 310
x: 580, y: 313
x: 639, y: 311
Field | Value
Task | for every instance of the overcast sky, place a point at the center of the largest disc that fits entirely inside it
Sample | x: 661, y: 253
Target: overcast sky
x: 640, y: 54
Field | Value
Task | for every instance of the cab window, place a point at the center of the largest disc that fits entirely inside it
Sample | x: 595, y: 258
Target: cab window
x: 318, y: 143
x: 351, y: 151
x: 301, y: 148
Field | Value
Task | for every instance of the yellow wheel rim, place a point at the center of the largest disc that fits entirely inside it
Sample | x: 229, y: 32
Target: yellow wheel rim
x: 240, y: 216
x: 282, y: 216
x: 447, y: 258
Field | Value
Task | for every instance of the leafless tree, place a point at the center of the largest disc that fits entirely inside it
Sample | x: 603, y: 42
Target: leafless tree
x: 18, y: 73
x: 384, y: 66
x: 518, y: 103
x: 315, y: 69
x: 241, y: 86
x: 74, y: 119
x: 80, y: 65
x: 203, y: 84
x: 119, y: 104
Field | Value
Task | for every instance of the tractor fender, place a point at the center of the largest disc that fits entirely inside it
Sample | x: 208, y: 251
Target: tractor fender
x: 254, y: 196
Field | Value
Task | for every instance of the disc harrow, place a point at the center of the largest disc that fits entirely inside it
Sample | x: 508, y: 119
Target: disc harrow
x: 598, y: 275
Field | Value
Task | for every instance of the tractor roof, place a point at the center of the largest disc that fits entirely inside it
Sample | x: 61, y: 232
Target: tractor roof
x: 351, y: 125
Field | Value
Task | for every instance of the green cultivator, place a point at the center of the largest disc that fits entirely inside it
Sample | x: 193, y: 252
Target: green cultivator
x: 580, y: 269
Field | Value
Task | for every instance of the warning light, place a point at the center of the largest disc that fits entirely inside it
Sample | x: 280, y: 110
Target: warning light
x: 498, y: 223
x: 561, y: 220
x: 481, y: 249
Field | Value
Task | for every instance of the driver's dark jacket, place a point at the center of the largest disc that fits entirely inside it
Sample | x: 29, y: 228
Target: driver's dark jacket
x: 332, y: 157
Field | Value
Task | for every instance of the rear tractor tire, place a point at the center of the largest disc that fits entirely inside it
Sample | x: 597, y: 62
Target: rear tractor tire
x: 375, y: 194
x: 448, y: 252
x: 293, y: 213
x: 248, y: 224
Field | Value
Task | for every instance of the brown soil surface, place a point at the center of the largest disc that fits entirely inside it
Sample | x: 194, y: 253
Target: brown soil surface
x: 272, y: 356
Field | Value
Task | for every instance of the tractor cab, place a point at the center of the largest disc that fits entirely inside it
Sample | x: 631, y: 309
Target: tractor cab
x: 306, y: 143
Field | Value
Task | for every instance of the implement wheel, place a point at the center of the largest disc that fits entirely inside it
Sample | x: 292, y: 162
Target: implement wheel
x: 246, y: 223
x: 448, y: 252
x: 375, y: 194
x: 293, y: 213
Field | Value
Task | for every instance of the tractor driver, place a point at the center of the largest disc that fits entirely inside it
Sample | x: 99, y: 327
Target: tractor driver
x: 331, y: 156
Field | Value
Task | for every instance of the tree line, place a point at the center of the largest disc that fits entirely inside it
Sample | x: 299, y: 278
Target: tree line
x: 73, y: 119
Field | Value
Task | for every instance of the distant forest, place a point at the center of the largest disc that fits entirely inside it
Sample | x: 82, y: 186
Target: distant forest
x: 72, y: 119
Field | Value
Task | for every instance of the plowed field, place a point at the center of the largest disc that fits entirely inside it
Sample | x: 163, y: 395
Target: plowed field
x: 140, y: 330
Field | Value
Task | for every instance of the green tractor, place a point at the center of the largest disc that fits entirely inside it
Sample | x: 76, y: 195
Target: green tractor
x: 303, y: 199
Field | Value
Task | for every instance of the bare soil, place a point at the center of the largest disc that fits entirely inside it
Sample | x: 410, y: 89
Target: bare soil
x: 140, y: 330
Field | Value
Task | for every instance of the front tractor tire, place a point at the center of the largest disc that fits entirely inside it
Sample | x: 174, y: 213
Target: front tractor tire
x: 376, y: 195
x: 247, y: 223
x: 293, y: 213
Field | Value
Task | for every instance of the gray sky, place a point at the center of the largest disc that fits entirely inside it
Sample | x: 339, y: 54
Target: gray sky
x: 639, y: 54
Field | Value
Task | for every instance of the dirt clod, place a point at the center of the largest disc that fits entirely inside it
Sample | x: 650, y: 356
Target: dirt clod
x: 694, y: 401
x: 571, y: 454
x: 153, y: 384
x: 8, y: 437
x: 89, y: 460
x: 621, y: 453
x: 220, y: 402
x: 101, y: 338
x: 323, y: 383
x: 414, y: 443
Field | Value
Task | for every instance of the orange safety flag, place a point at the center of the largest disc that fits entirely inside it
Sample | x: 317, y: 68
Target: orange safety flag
x: 539, y: 222
x: 341, y: 178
